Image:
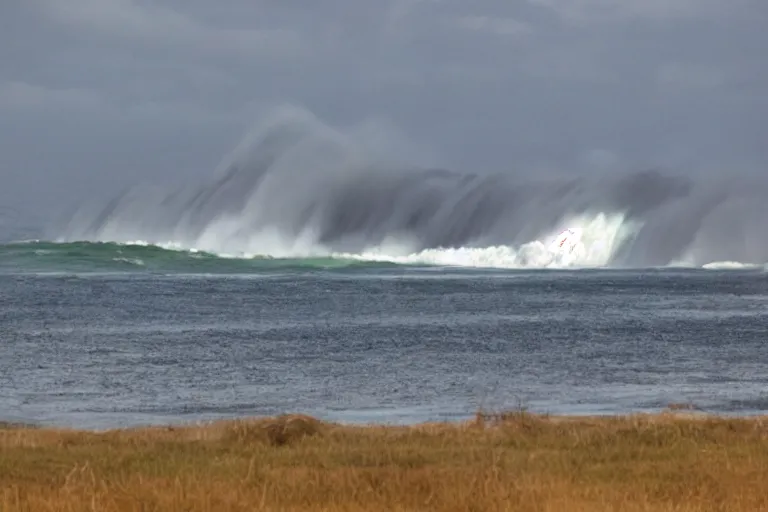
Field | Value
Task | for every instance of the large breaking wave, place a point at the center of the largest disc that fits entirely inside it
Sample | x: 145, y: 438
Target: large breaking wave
x: 296, y: 187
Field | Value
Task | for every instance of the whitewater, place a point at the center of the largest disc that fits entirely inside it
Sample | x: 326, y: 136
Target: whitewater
x: 297, y: 188
x: 319, y: 270
x: 593, y: 249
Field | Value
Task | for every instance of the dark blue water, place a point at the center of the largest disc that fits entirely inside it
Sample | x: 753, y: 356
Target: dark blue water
x: 382, y: 345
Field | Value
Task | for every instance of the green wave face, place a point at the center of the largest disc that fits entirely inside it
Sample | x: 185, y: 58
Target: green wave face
x: 112, y: 257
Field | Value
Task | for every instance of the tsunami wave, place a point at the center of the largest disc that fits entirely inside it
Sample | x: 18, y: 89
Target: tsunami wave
x: 137, y: 257
x: 141, y: 257
x: 170, y: 258
x: 297, y: 189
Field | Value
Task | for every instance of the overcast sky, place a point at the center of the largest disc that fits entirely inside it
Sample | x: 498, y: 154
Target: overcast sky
x: 97, y: 94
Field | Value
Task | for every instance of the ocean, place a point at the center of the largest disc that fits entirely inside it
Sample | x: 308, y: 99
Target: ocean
x: 310, y: 274
x: 111, y: 335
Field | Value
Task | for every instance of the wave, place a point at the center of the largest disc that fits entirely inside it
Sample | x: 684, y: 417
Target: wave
x: 297, y: 188
x: 139, y: 256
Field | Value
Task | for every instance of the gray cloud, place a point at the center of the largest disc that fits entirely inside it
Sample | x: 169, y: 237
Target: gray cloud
x: 498, y: 26
x: 163, y: 25
x: 99, y: 94
x: 20, y: 95
x: 600, y: 11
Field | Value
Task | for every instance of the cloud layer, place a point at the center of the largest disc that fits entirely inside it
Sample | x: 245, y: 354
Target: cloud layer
x: 99, y: 94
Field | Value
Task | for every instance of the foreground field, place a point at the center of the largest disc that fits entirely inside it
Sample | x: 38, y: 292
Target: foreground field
x: 504, y: 462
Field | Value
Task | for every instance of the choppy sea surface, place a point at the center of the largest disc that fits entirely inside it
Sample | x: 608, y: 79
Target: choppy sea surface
x: 97, y: 336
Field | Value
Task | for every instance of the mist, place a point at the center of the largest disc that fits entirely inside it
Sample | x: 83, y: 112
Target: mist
x: 296, y: 186
x: 414, y: 126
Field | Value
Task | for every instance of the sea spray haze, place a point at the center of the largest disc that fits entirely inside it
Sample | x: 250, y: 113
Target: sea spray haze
x: 296, y: 187
x: 209, y: 253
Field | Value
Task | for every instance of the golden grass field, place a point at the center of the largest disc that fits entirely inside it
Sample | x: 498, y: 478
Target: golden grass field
x: 671, y: 461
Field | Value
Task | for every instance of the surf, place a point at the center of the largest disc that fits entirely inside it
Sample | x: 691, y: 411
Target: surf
x: 297, y: 188
x: 142, y: 257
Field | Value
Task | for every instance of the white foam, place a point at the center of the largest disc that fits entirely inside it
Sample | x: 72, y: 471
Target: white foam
x: 131, y: 261
x: 688, y: 261
x: 600, y: 236
x: 730, y: 265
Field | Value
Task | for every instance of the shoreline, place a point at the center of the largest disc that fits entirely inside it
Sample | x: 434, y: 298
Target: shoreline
x: 383, y: 418
x: 680, y: 460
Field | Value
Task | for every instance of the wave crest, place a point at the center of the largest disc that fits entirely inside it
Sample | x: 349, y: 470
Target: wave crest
x: 296, y: 187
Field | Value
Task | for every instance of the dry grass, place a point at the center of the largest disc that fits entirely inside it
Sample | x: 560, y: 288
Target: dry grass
x: 671, y: 462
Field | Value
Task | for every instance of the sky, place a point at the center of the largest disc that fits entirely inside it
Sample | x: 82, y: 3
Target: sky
x: 99, y: 94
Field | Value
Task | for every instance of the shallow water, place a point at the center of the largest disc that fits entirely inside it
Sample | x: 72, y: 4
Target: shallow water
x: 369, y: 344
